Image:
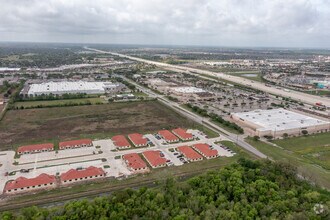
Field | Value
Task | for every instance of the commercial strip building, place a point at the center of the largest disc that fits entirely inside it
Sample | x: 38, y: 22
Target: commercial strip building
x: 187, y: 93
x: 68, y: 87
x: 78, y: 165
x: 186, y: 90
x: 36, y: 148
x: 183, y: 134
x: 46, y: 147
x: 135, y: 163
x: 277, y: 122
x: 155, y: 158
x: 23, y: 184
x: 44, y: 181
x: 206, y: 151
x: 168, y: 136
x: 138, y: 140
x: 75, y: 144
x: 89, y: 173
x: 120, y: 142
x: 190, y: 154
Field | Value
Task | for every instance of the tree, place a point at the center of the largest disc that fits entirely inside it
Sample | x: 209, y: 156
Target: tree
x: 285, y: 135
x: 256, y: 138
x: 304, y: 132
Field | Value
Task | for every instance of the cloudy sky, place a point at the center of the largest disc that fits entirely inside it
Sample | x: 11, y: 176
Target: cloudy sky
x: 273, y: 23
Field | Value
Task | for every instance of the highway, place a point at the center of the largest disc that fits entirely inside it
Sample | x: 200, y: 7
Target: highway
x: 298, y: 96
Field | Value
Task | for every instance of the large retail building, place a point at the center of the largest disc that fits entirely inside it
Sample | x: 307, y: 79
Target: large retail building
x: 277, y: 122
x: 68, y: 87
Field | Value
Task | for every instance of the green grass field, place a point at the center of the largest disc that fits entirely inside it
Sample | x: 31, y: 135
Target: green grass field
x: 316, y: 148
x: 32, y: 104
x: 243, y: 74
x: 320, y: 92
x: 307, y: 168
x: 38, y: 125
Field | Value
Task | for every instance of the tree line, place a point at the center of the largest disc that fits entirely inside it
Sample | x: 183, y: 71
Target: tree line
x: 244, y: 190
x: 217, y: 118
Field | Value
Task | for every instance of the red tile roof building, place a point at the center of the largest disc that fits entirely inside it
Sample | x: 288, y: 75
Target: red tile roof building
x: 120, y: 142
x: 190, y: 154
x: 182, y: 134
x: 154, y: 158
x: 135, y: 162
x: 75, y: 144
x: 138, y: 140
x: 23, y: 184
x: 89, y: 173
x: 168, y: 136
x: 36, y: 148
x: 206, y: 151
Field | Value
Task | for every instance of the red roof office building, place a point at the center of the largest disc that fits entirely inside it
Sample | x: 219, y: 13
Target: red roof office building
x: 89, y: 173
x: 138, y: 140
x: 168, y: 136
x: 23, y: 184
x: 206, y: 151
x: 155, y: 158
x: 36, y: 148
x: 75, y: 144
x: 183, y: 134
x: 190, y: 154
x: 120, y: 142
x: 135, y: 162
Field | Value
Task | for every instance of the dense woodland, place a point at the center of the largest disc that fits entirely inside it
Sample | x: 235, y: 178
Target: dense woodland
x: 246, y: 190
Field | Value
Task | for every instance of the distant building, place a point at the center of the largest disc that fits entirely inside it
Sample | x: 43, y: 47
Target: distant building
x: 168, y: 136
x: 186, y: 93
x: 35, y: 148
x: 124, y: 96
x: 183, y: 134
x: 138, y: 140
x: 155, y: 158
x: 75, y: 144
x: 120, y: 142
x: 190, y: 154
x: 206, y: 151
x: 276, y: 122
x: 68, y: 87
x: 135, y: 163
x: 89, y: 173
x: 23, y: 184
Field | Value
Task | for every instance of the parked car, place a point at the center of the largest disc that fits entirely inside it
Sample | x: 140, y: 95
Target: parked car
x: 24, y: 170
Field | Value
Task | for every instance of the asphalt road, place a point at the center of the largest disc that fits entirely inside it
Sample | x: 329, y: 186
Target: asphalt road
x: 298, y: 96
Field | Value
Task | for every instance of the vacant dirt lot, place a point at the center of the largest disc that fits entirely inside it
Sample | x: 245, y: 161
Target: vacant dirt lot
x: 95, y: 121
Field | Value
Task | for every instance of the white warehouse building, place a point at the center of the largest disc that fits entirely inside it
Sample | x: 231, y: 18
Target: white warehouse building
x: 276, y: 122
x: 67, y: 87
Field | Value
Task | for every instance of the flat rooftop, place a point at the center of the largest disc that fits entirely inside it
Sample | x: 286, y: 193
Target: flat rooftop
x: 188, y: 89
x: 279, y: 119
x: 69, y: 87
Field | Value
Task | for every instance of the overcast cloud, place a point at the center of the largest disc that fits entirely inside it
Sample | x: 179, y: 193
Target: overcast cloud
x: 295, y: 23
